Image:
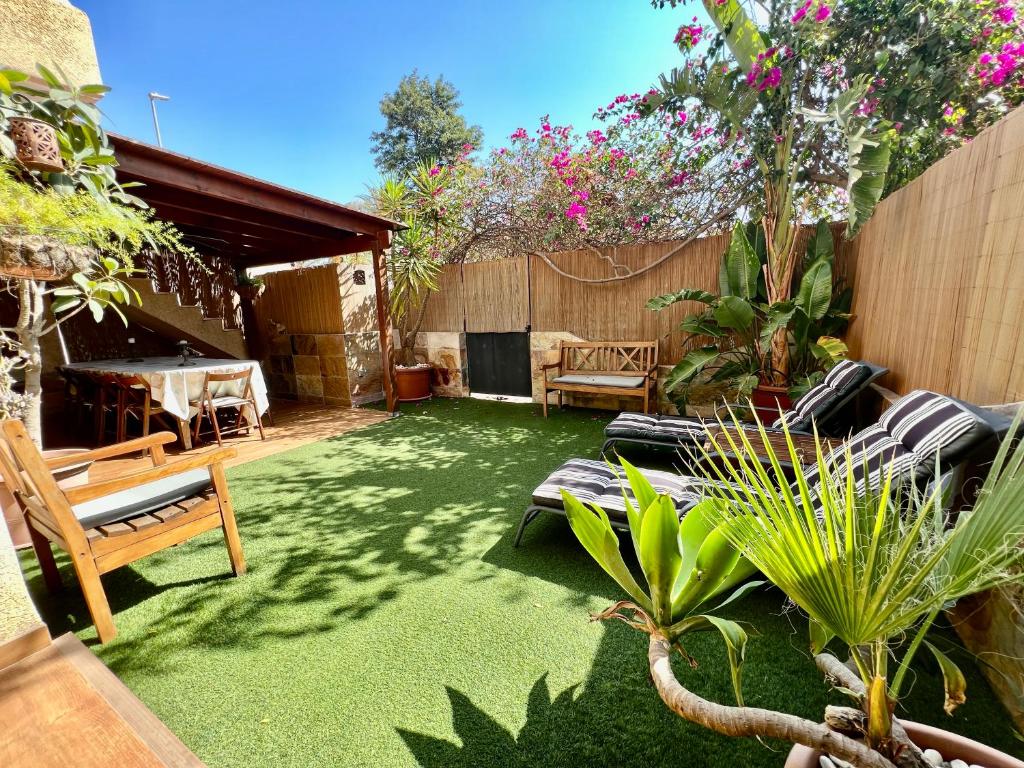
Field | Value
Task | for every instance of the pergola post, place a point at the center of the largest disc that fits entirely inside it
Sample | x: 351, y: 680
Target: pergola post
x: 387, y: 345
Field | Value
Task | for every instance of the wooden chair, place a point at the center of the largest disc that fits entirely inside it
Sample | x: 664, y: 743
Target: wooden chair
x: 107, y: 524
x: 107, y: 400
x: 137, y: 401
x: 209, y: 403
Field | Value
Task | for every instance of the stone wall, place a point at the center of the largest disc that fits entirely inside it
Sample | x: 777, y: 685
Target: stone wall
x: 48, y: 32
x: 310, y: 368
x: 447, y: 353
x: 362, y: 339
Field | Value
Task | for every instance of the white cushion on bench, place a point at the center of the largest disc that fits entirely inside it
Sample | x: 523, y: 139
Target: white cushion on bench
x: 600, y: 381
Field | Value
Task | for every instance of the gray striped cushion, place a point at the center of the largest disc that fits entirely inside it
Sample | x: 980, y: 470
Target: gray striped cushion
x: 594, y: 482
x: 841, y: 379
x: 664, y: 429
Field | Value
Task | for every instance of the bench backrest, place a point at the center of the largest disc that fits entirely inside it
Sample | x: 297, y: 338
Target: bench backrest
x: 625, y: 358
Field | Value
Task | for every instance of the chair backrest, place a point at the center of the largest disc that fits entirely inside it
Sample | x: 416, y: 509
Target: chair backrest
x: 219, y: 377
x: 625, y: 358
x: 33, y: 485
x: 918, y: 435
x: 843, y: 382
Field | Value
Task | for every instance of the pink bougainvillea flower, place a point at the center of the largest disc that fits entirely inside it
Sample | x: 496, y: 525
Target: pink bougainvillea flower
x: 772, y: 79
x: 520, y: 133
x: 823, y: 13
x: 546, y: 127
x: 801, y: 12
x: 631, y: 173
x: 467, y: 147
x: 1005, y: 14
x: 435, y: 171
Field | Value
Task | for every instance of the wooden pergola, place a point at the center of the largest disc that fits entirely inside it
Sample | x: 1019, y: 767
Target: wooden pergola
x: 252, y: 222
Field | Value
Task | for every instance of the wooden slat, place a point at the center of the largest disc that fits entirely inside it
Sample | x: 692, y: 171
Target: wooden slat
x: 303, y: 300
x: 142, y: 522
x: 173, y: 517
x: 115, y: 529
x: 159, y: 538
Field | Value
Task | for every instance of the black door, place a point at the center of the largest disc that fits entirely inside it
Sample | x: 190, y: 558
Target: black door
x: 499, y: 363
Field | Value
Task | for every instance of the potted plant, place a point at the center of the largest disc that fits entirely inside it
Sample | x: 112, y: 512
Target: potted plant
x: 741, y: 323
x: 873, y: 573
x: 249, y: 287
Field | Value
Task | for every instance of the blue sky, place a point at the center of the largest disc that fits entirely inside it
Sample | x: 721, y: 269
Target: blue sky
x: 289, y: 91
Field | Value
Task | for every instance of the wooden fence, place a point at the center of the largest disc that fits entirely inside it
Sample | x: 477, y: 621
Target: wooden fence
x: 940, y: 286
x: 508, y: 295
x: 303, y: 300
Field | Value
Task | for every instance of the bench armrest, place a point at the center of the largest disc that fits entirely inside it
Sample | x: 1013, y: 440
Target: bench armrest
x: 135, y: 479
x: 110, y: 451
x: 550, y: 366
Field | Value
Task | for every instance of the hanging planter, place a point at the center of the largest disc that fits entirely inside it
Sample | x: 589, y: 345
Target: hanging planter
x: 37, y: 257
x: 36, y: 144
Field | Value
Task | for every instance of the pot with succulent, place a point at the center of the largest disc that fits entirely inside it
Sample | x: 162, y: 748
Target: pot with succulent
x: 741, y: 323
x: 872, y: 569
x: 68, y: 231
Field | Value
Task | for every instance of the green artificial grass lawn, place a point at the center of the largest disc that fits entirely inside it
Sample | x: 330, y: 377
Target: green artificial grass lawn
x: 386, y: 619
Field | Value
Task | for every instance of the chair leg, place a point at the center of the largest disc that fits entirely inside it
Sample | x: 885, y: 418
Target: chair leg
x: 227, y: 516
x: 216, y: 426
x: 544, y: 400
x: 199, y: 421
x: 607, y: 444
x: 95, y: 597
x: 259, y: 420
x: 47, y: 564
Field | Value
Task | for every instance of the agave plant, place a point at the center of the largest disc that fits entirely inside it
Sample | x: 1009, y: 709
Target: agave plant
x: 685, y: 564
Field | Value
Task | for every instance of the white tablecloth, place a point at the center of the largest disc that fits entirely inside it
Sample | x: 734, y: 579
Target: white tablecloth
x: 173, y: 386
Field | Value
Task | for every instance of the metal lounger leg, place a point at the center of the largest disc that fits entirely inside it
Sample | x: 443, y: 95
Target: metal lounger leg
x: 528, y: 517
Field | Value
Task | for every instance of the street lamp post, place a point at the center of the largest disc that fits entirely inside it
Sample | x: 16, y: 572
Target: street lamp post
x: 154, y: 97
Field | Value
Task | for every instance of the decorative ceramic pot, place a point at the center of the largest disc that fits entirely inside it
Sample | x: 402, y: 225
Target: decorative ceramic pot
x: 413, y: 383
x: 67, y: 477
x: 36, y: 144
x: 950, y: 745
x: 768, y: 400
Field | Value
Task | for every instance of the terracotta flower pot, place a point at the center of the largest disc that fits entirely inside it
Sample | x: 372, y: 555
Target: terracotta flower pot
x: 68, y: 477
x: 36, y: 144
x: 413, y: 383
x: 950, y: 745
x: 768, y: 400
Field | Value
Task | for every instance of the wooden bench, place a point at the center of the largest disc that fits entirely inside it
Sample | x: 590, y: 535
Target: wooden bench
x: 621, y: 368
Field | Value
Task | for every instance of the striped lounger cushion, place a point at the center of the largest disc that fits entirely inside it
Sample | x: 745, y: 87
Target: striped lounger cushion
x: 842, y: 378
x: 659, y: 429
x: 594, y: 482
x: 915, y: 430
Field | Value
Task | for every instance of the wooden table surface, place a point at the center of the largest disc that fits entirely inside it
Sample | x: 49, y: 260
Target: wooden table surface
x: 62, y: 708
x: 803, y: 444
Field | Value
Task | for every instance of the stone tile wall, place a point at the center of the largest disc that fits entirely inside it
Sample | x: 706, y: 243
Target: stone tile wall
x: 309, y: 367
x: 447, y: 352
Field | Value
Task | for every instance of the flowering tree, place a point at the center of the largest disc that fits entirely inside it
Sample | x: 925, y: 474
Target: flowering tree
x: 816, y: 97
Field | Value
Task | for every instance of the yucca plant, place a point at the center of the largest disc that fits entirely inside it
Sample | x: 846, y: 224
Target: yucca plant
x: 685, y: 564
x: 872, y: 564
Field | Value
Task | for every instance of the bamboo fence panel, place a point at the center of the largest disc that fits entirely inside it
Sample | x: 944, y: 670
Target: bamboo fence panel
x: 937, y: 296
x: 303, y: 300
x: 496, y: 296
x: 444, y: 311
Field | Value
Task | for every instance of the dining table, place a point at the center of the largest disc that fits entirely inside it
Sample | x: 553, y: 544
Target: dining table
x: 178, y: 386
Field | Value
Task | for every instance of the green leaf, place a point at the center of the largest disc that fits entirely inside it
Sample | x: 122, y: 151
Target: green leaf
x: 815, y: 292
x: 740, y: 266
x: 97, y: 310
x: 687, y: 369
x: 64, y: 303
x: 868, y: 163
x: 715, y: 560
x: 736, y: 647
x: 50, y: 78
x: 742, y: 36
x: 595, y: 533
x: 829, y: 348
x: 778, y: 316
x: 95, y: 89
x: 820, y: 636
x: 701, y: 325
x: 821, y: 245
x: 953, y: 680
x: 734, y: 312
x: 659, y: 303
x: 659, y: 555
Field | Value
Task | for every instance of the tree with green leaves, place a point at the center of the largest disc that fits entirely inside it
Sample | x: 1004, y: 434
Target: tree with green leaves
x: 68, y: 237
x: 422, y: 126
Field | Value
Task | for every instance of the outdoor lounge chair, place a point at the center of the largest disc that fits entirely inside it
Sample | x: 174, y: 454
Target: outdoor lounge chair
x: 107, y: 524
x: 823, y: 404
x: 908, y: 437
